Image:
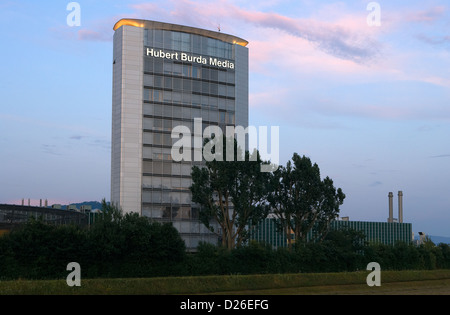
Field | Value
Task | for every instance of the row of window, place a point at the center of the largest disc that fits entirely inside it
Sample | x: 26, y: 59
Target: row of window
x: 166, y: 182
x: 170, y: 212
x: 181, y: 109
x: 188, y: 70
x: 186, y: 42
x: 187, y: 96
x: 164, y: 124
x: 161, y: 196
x: 179, y: 84
x: 162, y: 136
x: 166, y: 168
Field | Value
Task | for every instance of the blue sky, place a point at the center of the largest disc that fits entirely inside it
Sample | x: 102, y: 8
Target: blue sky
x: 369, y: 104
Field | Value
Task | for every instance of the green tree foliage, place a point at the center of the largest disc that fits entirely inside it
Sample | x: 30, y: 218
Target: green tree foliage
x: 116, y: 245
x: 302, y: 200
x: 128, y: 245
x: 38, y: 250
x: 231, y: 192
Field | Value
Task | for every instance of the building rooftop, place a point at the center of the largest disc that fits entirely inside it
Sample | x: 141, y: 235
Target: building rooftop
x: 181, y: 28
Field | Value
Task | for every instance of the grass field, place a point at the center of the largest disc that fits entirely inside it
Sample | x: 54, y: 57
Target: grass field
x: 425, y: 287
x: 392, y: 282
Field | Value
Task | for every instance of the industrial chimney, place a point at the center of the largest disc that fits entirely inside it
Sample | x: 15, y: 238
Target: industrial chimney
x: 400, y: 206
x: 391, y: 207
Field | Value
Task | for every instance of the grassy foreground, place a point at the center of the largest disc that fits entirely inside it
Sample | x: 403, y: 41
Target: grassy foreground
x: 211, y: 284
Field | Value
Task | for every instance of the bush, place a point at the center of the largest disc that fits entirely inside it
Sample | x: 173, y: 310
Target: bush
x: 115, y: 246
x: 132, y: 246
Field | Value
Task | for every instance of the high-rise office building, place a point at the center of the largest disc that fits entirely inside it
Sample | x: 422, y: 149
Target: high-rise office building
x: 167, y: 75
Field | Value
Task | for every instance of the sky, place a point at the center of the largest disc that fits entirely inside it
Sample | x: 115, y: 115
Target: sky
x: 368, y: 102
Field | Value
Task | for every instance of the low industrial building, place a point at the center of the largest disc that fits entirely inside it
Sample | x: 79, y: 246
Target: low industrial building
x: 390, y: 232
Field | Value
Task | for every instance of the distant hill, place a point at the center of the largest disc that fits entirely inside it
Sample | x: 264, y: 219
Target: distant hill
x: 93, y: 204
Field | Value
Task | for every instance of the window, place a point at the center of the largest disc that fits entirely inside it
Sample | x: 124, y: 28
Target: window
x: 222, y: 117
x: 187, y: 70
x: 196, y: 86
x: 157, y: 124
x: 230, y: 77
x: 164, y: 139
x: 187, y: 85
x: 185, y: 183
x: 222, y: 76
x: 147, y: 138
x: 158, y: 81
x: 196, y: 112
x: 175, y: 182
x: 177, y: 69
x: 167, y: 110
x: 148, y: 80
x: 167, y: 96
x: 167, y: 125
x: 174, y: 197
x: 147, y: 123
x: 186, y: 112
x: 230, y: 118
x: 214, y: 89
x: 146, y: 196
x: 205, y: 73
x: 176, y: 112
x: 186, y: 97
x: 158, y: 65
x: 196, y: 72
x: 157, y: 167
x: 157, y: 138
x: 147, y: 167
x: 168, y: 68
x: 167, y: 82
x: 148, y: 65
x: 147, y: 153
x: 177, y: 84
x: 167, y: 170
x: 157, y: 110
x: 222, y: 90
x: 186, y: 169
x: 157, y: 96
x: 148, y: 108
x: 196, y: 99
x: 176, y: 168
x: 205, y: 114
x: 231, y: 92
x: 158, y: 38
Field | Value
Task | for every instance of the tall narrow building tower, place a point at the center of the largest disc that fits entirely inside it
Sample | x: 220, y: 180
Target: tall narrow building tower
x: 167, y: 75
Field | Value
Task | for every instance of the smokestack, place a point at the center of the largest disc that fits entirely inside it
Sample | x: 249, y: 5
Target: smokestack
x: 400, y: 206
x: 391, y: 207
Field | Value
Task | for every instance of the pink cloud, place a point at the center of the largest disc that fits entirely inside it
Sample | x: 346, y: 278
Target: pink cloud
x: 344, y: 41
x: 429, y: 15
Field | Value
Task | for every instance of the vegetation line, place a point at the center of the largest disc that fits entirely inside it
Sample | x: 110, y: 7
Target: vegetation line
x: 209, y: 284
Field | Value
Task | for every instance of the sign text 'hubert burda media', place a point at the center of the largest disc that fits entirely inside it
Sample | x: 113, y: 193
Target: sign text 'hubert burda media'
x: 158, y: 53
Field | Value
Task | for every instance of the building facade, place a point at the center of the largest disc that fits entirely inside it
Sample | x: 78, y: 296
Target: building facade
x: 375, y: 232
x: 164, y: 76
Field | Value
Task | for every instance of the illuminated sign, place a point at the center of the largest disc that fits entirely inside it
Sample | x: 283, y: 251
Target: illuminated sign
x: 190, y: 58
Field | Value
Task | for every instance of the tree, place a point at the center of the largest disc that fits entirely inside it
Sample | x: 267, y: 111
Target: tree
x: 231, y: 192
x: 302, y: 201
